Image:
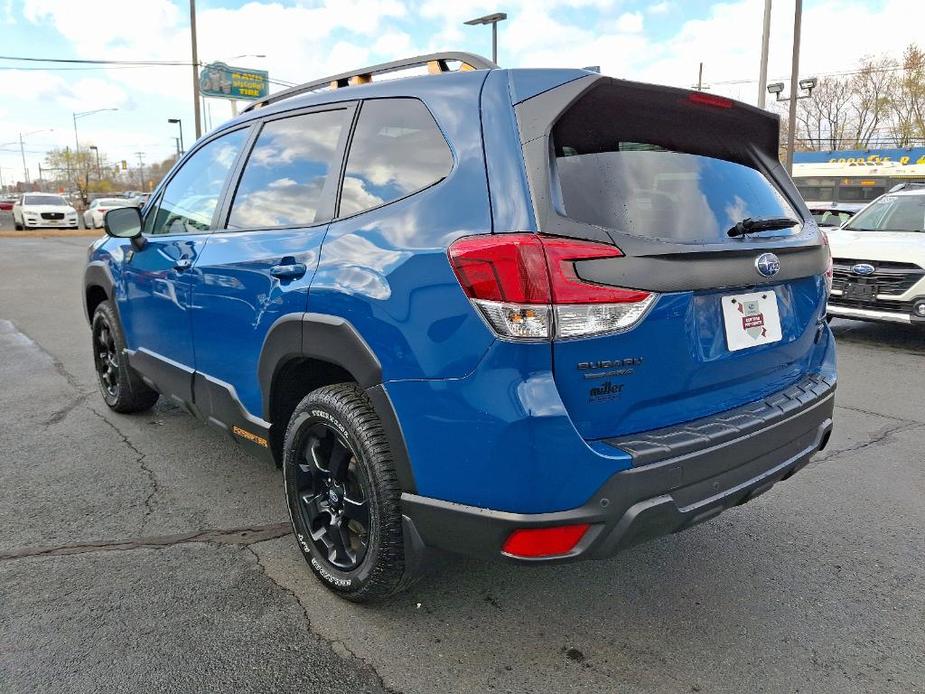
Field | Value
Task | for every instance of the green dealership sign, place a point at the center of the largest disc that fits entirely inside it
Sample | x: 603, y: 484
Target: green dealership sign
x: 226, y: 82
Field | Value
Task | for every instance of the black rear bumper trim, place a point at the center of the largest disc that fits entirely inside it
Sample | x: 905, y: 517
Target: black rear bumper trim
x: 642, y: 503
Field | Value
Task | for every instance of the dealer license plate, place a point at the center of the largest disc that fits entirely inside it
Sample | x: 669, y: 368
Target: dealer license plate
x: 751, y: 319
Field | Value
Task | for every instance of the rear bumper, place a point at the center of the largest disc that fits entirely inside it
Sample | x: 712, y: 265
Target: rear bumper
x: 684, y: 487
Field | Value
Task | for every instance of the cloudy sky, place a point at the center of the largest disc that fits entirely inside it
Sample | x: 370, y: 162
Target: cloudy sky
x: 653, y: 40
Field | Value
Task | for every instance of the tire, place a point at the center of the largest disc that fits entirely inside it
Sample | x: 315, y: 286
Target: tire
x: 16, y: 225
x: 120, y: 385
x: 344, y: 499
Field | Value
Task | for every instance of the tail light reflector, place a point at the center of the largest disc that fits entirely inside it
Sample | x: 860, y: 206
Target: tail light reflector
x: 533, y: 543
x: 527, y: 287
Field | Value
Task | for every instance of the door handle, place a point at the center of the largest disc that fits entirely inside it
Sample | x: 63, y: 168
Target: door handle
x: 183, y: 264
x: 288, y: 271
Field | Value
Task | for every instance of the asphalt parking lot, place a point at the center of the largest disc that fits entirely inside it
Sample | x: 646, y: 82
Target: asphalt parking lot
x: 149, y: 552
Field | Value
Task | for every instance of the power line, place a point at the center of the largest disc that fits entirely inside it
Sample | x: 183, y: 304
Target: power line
x: 85, y: 61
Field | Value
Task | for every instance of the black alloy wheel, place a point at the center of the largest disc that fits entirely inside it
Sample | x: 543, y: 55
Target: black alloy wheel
x: 333, y: 497
x: 121, y: 387
x: 344, y: 497
x: 106, y: 357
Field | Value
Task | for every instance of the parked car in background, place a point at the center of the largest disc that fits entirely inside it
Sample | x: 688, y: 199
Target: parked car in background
x: 477, y: 312
x: 141, y: 199
x: 879, y: 260
x: 93, y: 217
x: 34, y: 210
x: 6, y: 202
x: 833, y: 214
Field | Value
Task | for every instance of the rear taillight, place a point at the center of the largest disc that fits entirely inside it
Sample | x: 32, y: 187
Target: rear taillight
x: 830, y: 266
x: 527, y: 288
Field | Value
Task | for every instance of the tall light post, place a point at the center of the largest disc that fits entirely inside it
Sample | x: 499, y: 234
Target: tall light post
x: 99, y: 174
x: 492, y: 19
x: 192, y: 26
x: 180, y: 126
x: 794, y: 77
x: 763, y: 68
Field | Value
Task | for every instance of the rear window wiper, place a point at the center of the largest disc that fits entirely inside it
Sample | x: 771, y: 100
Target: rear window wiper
x: 751, y: 226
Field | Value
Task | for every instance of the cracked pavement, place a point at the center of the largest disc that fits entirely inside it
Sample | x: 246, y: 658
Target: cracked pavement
x: 148, y: 551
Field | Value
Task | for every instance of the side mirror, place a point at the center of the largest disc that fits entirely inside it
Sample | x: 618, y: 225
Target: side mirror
x: 124, y: 223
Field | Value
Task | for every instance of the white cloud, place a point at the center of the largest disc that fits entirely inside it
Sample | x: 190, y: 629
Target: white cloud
x: 629, y: 22
x: 394, y: 43
x: 659, y: 8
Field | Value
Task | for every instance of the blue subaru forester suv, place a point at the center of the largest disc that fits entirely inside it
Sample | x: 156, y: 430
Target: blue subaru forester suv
x: 541, y: 315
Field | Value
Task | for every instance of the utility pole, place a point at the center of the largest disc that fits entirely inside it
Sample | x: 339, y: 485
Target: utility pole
x: 794, y: 79
x: 141, y: 169
x: 763, y: 68
x: 67, y: 160
x: 192, y: 24
x: 25, y: 169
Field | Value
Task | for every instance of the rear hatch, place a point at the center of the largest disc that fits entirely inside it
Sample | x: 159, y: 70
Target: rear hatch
x: 664, y: 175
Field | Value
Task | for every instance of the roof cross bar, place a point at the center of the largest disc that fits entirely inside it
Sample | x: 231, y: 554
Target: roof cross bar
x: 435, y: 62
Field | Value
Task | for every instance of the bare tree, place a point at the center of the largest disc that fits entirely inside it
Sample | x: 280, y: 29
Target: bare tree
x: 823, y: 119
x: 871, y: 99
x: 908, y: 99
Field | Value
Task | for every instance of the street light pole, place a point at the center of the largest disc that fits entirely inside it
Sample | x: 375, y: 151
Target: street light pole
x: 192, y: 24
x: 492, y: 19
x: 763, y: 68
x: 794, y: 79
x: 99, y: 174
x: 180, y: 126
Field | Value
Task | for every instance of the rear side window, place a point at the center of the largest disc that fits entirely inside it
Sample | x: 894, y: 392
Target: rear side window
x: 397, y: 150
x: 285, y: 175
x: 625, y: 164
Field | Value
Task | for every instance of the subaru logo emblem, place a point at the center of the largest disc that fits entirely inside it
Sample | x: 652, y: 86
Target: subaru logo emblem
x: 767, y: 264
x: 863, y: 269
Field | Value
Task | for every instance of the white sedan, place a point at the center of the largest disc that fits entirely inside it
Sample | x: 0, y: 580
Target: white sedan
x: 34, y: 210
x: 93, y: 217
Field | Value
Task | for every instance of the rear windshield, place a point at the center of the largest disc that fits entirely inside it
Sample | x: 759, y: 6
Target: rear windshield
x: 687, y: 176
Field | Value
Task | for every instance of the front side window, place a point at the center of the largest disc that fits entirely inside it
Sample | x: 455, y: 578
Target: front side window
x: 189, y: 200
x: 397, y: 150
x: 891, y: 213
x: 285, y: 175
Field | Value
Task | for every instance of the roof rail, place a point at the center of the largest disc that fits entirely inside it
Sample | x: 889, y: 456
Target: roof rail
x: 435, y: 62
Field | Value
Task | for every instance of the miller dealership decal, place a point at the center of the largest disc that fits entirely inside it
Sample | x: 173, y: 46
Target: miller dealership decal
x: 608, y: 390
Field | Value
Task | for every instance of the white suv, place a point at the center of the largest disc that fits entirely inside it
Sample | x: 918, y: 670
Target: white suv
x: 879, y: 260
x: 35, y: 210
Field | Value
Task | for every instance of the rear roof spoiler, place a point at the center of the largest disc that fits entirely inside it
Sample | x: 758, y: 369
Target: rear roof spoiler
x: 436, y: 63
